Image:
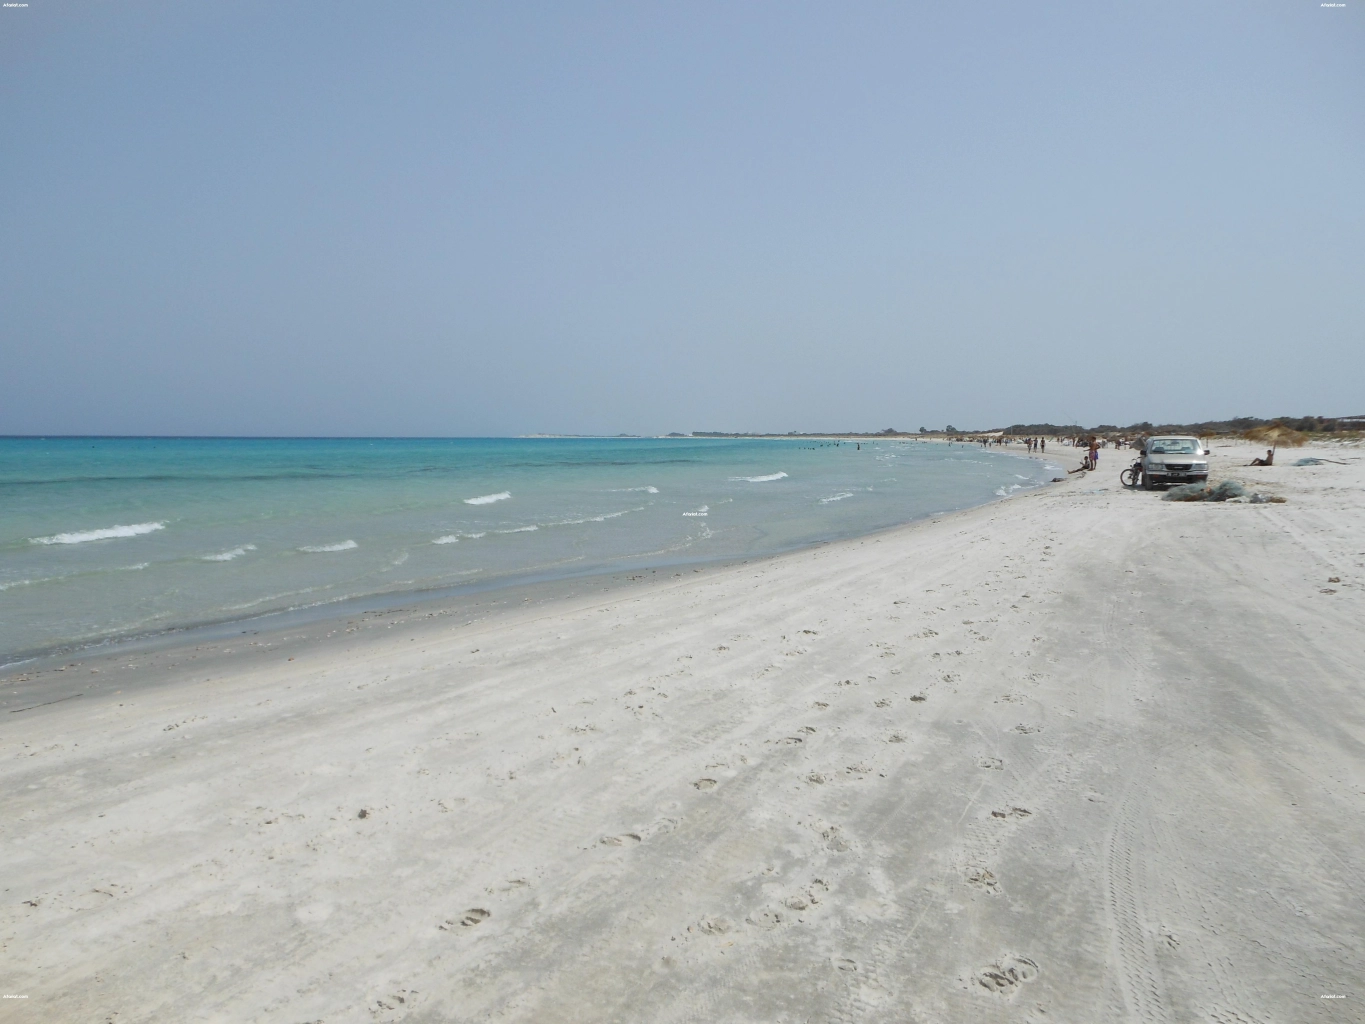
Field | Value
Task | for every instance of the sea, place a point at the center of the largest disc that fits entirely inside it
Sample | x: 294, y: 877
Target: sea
x: 106, y: 539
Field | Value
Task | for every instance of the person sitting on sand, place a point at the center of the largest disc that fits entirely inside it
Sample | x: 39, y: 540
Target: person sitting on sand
x: 1269, y: 459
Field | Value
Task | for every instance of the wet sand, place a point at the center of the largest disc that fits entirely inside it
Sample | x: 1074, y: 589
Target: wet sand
x: 1081, y: 755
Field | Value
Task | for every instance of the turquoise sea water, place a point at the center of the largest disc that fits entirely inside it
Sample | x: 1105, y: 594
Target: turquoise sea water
x: 111, y: 537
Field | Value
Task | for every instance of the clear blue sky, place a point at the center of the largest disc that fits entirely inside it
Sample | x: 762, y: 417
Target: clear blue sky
x: 343, y: 218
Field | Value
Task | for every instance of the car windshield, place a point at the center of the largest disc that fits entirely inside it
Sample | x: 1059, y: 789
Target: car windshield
x: 1173, y: 446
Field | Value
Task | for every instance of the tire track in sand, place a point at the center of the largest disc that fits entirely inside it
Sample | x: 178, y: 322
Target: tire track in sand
x: 1131, y: 945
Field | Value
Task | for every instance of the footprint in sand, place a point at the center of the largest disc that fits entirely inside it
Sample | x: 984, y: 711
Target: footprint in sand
x: 845, y: 965
x: 1012, y: 812
x: 918, y: 698
x: 625, y: 839
x: 990, y: 762
x: 835, y: 839
x: 471, y: 917
x: 767, y: 919
x: 984, y: 880
x: 704, y: 784
x: 1007, y: 975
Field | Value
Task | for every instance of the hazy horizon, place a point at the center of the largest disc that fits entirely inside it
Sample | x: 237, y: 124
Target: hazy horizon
x: 342, y: 220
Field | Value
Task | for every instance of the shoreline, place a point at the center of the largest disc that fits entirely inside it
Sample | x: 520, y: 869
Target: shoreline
x: 40, y: 680
x: 1015, y: 760
x: 313, y: 618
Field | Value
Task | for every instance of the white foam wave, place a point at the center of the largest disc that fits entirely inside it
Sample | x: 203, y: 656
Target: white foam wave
x: 109, y: 533
x: 450, y: 538
x: 759, y: 479
x: 519, y: 529
x: 626, y: 490
x: 1002, y: 492
x: 228, y: 556
x: 488, y: 499
x: 597, y: 519
x: 316, y: 549
x: 836, y: 497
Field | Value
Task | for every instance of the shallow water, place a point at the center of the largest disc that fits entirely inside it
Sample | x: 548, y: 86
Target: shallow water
x: 110, y: 537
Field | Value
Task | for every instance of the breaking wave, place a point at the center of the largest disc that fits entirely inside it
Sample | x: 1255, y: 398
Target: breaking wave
x: 597, y: 519
x: 228, y: 556
x: 836, y: 497
x: 316, y: 549
x: 759, y: 479
x: 109, y: 533
x: 625, y: 490
x: 488, y: 499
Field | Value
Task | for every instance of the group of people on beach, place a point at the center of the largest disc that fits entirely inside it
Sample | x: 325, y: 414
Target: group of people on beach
x: 1034, y: 444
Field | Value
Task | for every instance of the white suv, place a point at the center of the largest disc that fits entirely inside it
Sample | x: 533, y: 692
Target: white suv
x: 1174, y: 460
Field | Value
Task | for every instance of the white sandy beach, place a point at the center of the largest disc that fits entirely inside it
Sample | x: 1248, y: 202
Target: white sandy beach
x: 1082, y: 755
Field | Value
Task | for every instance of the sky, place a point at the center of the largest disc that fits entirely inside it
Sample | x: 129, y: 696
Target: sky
x: 495, y: 219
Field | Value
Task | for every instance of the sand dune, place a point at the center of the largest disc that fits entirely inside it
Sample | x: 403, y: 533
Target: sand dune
x: 1081, y: 755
